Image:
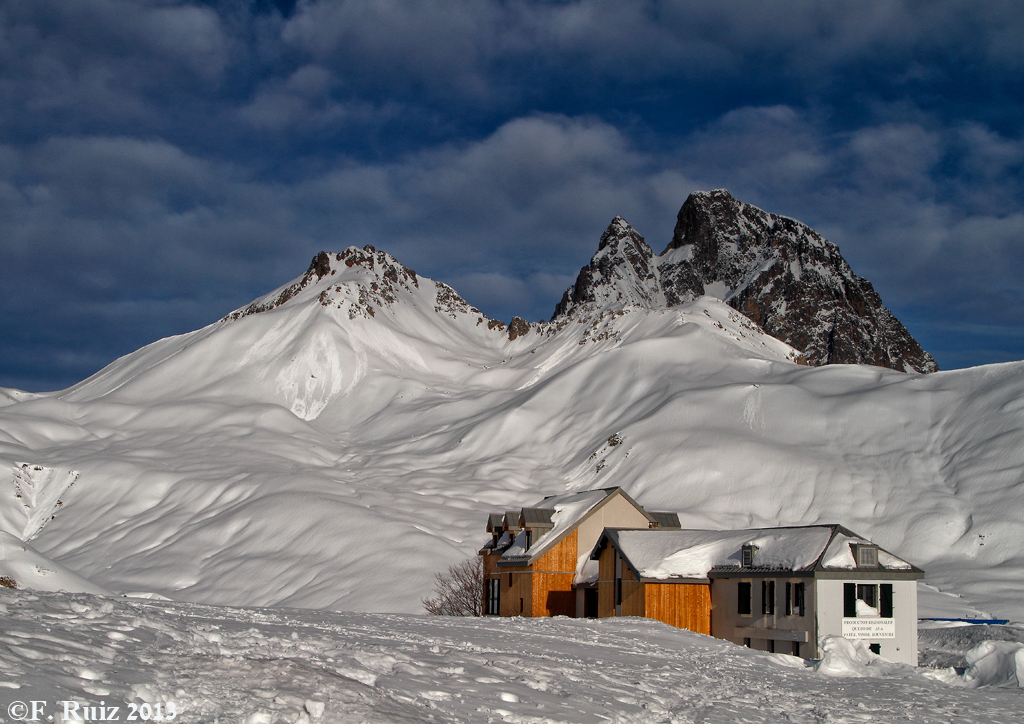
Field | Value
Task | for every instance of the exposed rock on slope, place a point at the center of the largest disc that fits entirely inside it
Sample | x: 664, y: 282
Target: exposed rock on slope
x: 777, y: 271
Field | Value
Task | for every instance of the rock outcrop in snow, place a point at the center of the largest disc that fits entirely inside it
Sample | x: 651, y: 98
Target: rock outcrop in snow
x: 780, y: 273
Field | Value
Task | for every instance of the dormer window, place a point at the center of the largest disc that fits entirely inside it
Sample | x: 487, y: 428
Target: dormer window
x: 866, y: 556
x: 747, y: 555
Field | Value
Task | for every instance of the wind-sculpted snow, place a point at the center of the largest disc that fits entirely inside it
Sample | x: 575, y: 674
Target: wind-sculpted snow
x: 263, y: 666
x: 337, y: 448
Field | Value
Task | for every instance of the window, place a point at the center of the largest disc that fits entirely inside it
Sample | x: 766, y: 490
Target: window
x: 747, y: 555
x: 768, y: 597
x: 867, y: 556
x: 796, y: 646
x: 743, y: 598
x: 493, y: 597
x: 746, y: 642
x: 799, y: 594
x: 868, y: 594
x: 862, y: 600
x: 529, y: 539
x: 771, y: 646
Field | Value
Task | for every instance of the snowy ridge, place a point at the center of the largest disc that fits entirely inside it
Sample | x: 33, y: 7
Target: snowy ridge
x: 293, y: 453
x: 33, y: 497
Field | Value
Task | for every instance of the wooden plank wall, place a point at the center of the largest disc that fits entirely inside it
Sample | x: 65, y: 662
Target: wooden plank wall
x: 606, y: 583
x: 686, y: 605
x: 632, y: 594
x: 560, y: 558
x: 521, y: 589
x: 552, y: 580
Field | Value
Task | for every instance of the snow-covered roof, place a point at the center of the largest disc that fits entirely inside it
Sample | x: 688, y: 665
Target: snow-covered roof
x: 569, y: 510
x: 698, y: 554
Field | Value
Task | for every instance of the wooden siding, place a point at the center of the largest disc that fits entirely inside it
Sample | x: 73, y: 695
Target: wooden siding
x: 632, y: 593
x: 545, y: 588
x: 560, y: 558
x: 606, y: 583
x: 521, y: 589
x: 685, y: 605
x: 553, y: 595
x: 553, y: 572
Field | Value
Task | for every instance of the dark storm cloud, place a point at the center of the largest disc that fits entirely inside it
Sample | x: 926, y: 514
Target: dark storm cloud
x: 163, y: 162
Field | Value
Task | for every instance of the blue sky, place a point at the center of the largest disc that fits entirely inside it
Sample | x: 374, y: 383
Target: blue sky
x: 162, y: 163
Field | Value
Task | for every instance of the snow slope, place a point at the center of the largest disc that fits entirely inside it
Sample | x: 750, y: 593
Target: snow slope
x: 265, y: 666
x: 341, y: 439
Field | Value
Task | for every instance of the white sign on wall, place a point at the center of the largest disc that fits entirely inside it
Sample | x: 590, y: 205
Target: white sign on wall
x: 869, y: 628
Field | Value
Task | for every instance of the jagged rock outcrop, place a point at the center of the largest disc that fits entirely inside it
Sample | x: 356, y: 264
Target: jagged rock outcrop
x: 780, y: 273
x: 622, y: 271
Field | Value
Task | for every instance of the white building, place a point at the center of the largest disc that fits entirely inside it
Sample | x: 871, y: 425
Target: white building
x: 780, y: 589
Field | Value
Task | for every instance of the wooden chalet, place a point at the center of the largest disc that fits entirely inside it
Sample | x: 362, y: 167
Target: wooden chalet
x: 534, y: 563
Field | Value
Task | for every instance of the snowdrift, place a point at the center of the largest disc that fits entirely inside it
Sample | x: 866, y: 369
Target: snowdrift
x: 338, y: 441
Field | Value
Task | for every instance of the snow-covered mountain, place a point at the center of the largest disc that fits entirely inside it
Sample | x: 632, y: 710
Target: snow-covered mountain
x: 778, y: 272
x: 336, y: 442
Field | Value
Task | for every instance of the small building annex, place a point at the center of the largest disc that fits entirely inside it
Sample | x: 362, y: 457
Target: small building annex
x: 774, y: 589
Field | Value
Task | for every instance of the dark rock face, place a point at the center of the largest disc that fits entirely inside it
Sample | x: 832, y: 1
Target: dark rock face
x: 778, y: 272
x: 622, y: 270
x: 518, y: 327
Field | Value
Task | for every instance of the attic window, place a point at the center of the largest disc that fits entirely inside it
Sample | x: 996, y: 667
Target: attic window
x: 867, y: 556
x: 747, y: 555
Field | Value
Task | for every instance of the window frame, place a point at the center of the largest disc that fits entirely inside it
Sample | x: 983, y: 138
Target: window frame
x: 767, y: 597
x: 747, y: 555
x: 862, y: 551
x: 799, y: 599
x: 744, y: 601
x: 493, y: 596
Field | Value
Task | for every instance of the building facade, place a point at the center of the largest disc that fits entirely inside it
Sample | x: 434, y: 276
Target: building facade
x: 600, y: 554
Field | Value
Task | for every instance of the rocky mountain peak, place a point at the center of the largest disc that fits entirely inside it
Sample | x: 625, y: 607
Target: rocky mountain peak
x: 780, y: 273
x: 621, y: 273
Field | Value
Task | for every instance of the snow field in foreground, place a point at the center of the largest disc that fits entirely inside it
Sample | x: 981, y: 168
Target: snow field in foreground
x: 264, y: 666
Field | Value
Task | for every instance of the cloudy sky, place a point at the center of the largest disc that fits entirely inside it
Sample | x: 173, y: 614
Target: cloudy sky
x: 164, y: 162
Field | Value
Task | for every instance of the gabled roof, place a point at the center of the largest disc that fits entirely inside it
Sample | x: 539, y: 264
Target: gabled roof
x: 700, y: 554
x: 667, y: 521
x: 569, y: 511
x: 538, y: 517
x: 495, y: 522
x: 512, y: 520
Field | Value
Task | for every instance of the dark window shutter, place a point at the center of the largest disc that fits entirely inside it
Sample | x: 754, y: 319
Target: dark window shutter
x: 850, y: 600
x: 789, y: 598
x: 885, y: 600
x: 743, y: 597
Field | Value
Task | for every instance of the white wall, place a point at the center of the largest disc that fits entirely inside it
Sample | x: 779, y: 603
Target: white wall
x: 903, y: 648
